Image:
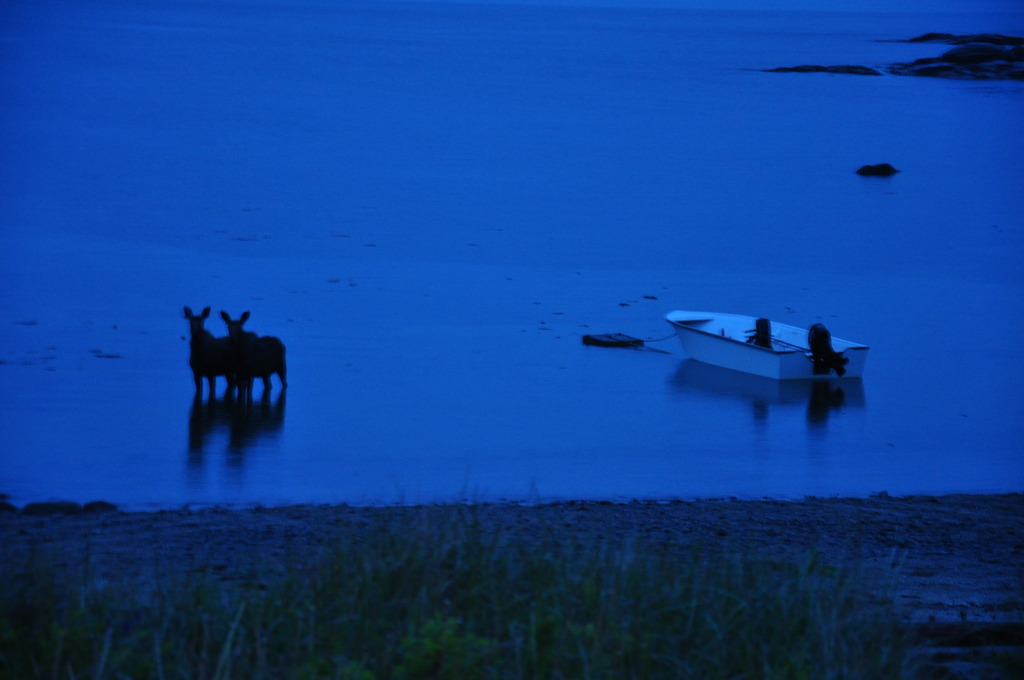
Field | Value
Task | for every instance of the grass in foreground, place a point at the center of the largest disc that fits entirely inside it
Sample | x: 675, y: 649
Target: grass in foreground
x: 442, y: 598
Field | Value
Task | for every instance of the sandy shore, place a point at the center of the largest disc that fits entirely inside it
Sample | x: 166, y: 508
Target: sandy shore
x: 950, y: 558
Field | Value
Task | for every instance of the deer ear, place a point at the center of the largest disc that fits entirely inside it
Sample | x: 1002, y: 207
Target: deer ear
x: 188, y: 312
x: 206, y: 312
x: 245, y: 316
x: 224, y: 315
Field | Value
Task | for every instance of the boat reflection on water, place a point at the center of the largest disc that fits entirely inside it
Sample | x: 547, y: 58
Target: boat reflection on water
x: 822, y: 398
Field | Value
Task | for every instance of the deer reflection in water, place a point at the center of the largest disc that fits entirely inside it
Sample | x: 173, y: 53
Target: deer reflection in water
x: 245, y: 425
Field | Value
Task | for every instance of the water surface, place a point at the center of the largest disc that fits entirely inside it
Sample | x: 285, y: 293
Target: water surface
x: 430, y: 203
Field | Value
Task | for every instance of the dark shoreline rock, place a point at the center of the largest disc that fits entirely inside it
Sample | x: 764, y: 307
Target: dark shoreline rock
x: 99, y: 506
x: 978, y: 53
x: 974, y: 61
x: 44, y: 508
x: 851, y: 70
x: 950, y: 39
x: 979, y: 56
x: 52, y: 508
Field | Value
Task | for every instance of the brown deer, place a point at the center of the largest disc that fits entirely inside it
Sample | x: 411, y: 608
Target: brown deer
x: 254, y: 357
x: 208, y: 356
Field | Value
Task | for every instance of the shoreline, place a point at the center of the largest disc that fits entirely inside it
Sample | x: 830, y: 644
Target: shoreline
x: 56, y: 506
x: 944, y: 559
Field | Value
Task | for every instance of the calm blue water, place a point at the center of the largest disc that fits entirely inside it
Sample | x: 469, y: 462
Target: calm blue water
x: 430, y: 203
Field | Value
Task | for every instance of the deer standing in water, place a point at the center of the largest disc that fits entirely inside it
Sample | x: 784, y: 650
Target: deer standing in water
x: 254, y: 357
x: 208, y: 356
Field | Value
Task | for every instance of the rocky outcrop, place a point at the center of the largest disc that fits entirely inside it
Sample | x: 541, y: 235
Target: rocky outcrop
x: 45, y: 508
x: 979, y: 53
x: 852, y: 70
x: 52, y: 508
x: 950, y: 39
x: 970, y: 60
x: 880, y: 170
x: 979, y: 56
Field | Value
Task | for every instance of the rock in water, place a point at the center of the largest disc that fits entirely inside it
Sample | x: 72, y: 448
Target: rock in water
x: 850, y: 70
x: 976, y: 53
x: 880, y: 170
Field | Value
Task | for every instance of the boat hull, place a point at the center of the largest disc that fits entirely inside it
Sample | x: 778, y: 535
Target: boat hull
x: 721, y: 340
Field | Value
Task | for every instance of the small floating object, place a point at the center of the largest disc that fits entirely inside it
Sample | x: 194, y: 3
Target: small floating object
x: 612, y: 340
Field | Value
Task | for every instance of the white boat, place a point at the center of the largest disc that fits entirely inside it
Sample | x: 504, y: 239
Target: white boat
x: 766, y: 348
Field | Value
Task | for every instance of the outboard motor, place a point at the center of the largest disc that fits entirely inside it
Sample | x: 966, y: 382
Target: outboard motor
x: 825, y: 359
